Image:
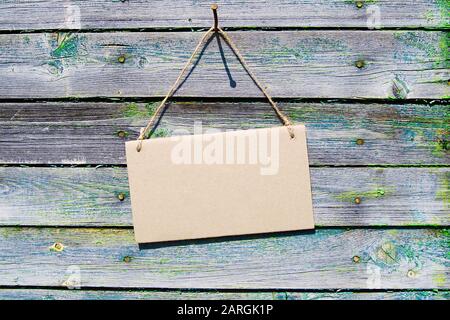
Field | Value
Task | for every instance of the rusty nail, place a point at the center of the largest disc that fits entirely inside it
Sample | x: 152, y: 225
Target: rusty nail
x: 359, y: 142
x: 57, y: 247
x: 360, y: 64
x: 121, y: 59
x: 214, y: 7
x: 121, y: 196
x: 357, y: 200
x: 356, y: 259
x: 359, y: 4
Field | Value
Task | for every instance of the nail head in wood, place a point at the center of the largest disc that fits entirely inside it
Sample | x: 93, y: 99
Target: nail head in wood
x: 127, y: 259
x: 121, y: 196
x: 411, y: 274
x: 357, y: 200
x: 360, y: 64
x: 57, y: 247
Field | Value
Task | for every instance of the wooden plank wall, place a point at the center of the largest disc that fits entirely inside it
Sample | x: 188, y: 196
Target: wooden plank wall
x: 77, y: 83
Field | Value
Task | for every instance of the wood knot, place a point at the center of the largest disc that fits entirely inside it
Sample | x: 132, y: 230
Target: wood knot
x: 400, y: 89
x: 387, y: 253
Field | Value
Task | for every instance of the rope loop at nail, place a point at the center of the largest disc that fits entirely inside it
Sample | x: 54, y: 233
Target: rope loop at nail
x: 215, y: 29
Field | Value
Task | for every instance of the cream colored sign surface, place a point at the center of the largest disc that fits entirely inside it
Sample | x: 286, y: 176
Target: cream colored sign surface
x: 220, y: 184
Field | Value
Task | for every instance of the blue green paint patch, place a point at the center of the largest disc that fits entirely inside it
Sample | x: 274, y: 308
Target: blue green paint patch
x: 444, y: 46
x: 67, y: 51
x: 441, y: 143
x: 319, y: 118
x: 350, y: 196
x: 428, y: 127
x: 133, y: 110
x: 443, y: 192
x: 67, y: 47
x: 159, y: 133
x: 440, y: 279
x: 422, y: 47
x: 444, y: 8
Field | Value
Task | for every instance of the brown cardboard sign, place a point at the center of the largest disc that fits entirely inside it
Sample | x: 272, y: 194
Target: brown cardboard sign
x: 220, y: 184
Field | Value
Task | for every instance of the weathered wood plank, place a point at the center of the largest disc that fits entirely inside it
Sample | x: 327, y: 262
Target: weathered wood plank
x: 53, y: 294
x: 385, y: 259
x: 315, y: 64
x: 338, y: 134
x: 77, y: 14
x: 89, y: 196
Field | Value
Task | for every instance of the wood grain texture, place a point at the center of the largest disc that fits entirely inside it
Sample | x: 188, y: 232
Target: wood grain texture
x: 388, y: 259
x: 53, y: 294
x: 313, y: 64
x: 97, y: 14
x: 87, y: 133
x: 89, y: 196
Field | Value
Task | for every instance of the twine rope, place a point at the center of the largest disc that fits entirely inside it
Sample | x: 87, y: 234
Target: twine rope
x: 171, y: 90
x: 284, y: 119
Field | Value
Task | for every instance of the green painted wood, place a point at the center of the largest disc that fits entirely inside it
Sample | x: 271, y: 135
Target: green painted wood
x: 89, y: 196
x: 52, y: 294
x: 313, y: 64
x: 97, y: 14
x: 87, y: 133
x: 327, y: 259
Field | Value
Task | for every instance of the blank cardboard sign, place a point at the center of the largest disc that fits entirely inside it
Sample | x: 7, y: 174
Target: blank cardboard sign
x: 220, y: 184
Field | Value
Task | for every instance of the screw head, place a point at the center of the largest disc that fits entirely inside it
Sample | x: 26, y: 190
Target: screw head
x: 57, y: 247
x: 127, y: 259
x: 356, y: 259
x: 411, y: 274
x: 121, y: 134
x: 121, y: 196
x: 357, y: 200
x: 121, y: 59
x: 360, y: 64
x: 359, y: 142
x: 359, y: 4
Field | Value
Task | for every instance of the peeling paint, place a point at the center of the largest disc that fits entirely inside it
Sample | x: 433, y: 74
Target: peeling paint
x: 350, y: 196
